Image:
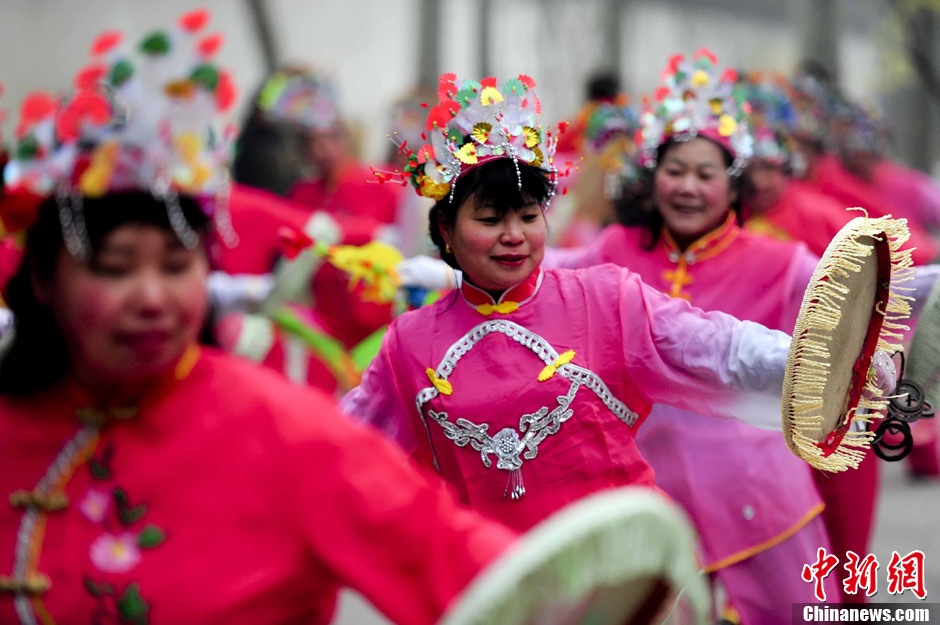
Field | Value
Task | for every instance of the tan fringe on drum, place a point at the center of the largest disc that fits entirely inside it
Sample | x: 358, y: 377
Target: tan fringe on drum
x: 807, y: 390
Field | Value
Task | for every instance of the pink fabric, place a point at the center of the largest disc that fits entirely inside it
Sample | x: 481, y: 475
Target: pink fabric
x: 912, y: 191
x: 646, y: 347
x: 831, y: 178
x: 355, y: 194
x: 803, y: 214
x: 708, y: 465
x: 766, y: 584
x: 269, y: 499
x: 257, y: 217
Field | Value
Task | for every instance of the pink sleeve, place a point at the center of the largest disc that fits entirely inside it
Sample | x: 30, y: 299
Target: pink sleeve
x: 572, y: 258
x: 377, y: 400
x: 383, y: 528
x: 705, y: 362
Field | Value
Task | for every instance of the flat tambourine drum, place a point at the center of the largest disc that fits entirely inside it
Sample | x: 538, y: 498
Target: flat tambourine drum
x: 623, y: 556
x: 850, y: 310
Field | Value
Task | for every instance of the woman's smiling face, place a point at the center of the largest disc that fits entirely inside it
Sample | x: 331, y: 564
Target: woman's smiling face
x: 693, y: 190
x: 497, y: 249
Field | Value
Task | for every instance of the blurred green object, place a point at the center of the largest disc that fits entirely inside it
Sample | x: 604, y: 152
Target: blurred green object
x: 923, y: 360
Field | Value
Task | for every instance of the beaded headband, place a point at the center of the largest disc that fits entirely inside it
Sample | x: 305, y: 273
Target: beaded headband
x: 472, y: 124
x: 693, y: 100
x: 148, y: 121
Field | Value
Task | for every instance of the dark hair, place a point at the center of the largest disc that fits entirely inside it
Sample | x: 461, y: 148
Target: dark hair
x: 636, y: 207
x: 495, y: 182
x: 602, y: 86
x: 38, y: 357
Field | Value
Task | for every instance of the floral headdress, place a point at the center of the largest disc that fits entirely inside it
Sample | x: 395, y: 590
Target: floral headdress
x: 694, y: 100
x: 608, y: 135
x: 145, y: 121
x: 772, y: 115
x: 300, y: 96
x: 472, y: 124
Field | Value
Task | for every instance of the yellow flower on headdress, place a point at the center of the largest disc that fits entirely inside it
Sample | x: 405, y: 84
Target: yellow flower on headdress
x: 481, y: 132
x: 195, y: 173
x: 700, y: 78
x: 726, y: 125
x: 467, y: 154
x: 531, y: 136
x: 434, y: 190
x: 715, y: 105
x: 538, y: 158
x: 490, y: 95
x: 180, y: 88
x: 95, y: 179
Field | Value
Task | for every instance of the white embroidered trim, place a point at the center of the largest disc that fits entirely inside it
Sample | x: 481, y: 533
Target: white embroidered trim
x: 24, y: 535
x: 507, y: 444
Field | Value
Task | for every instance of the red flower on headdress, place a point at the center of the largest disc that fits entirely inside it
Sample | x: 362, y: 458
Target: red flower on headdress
x: 210, y: 44
x: 90, y: 77
x: 446, y: 88
x: 441, y: 114
x: 729, y: 75
x: 661, y: 93
x: 85, y: 107
x: 106, y: 41
x: 194, y: 20
x: 36, y: 107
x: 708, y: 54
x: 225, y: 91
x: 673, y: 66
x: 527, y: 81
x: 293, y: 242
x: 488, y: 82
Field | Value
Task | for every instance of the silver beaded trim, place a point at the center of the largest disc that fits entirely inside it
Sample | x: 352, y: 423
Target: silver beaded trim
x: 507, y: 444
x: 24, y: 535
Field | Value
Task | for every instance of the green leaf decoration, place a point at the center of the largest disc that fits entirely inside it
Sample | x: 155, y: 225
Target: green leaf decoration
x: 120, y: 72
x: 131, y: 606
x: 513, y: 86
x: 465, y: 96
x: 127, y: 514
x: 151, y: 536
x: 97, y: 590
x: 98, y: 470
x: 454, y: 135
x: 366, y: 351
x: 157, y: 44
x: 28, y: 148
x: 206, y: 76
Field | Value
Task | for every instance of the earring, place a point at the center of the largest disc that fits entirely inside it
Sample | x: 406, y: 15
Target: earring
x: 447, y: 248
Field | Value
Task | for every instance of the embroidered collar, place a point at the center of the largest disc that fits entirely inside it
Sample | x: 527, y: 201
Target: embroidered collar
x: 708, y: 246
x: 511, y: 299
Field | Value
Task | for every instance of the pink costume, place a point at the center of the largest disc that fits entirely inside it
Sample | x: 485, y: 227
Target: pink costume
x: 230, y: 496
x: 804, y: 214
x: 830, y: 177
x: 353, y: 194
x: 747, y: 494
x: 543, y: 391
x: 912, y: 191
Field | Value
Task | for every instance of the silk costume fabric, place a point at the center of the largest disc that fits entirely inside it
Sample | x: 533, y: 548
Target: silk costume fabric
x: 646, y: 347
x: 269, y: 498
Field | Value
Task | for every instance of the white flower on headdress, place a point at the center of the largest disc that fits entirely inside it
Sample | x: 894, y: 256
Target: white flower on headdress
x: 694, y: 100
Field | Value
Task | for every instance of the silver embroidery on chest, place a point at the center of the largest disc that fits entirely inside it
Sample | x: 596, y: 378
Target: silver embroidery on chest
x: 511, y: 447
